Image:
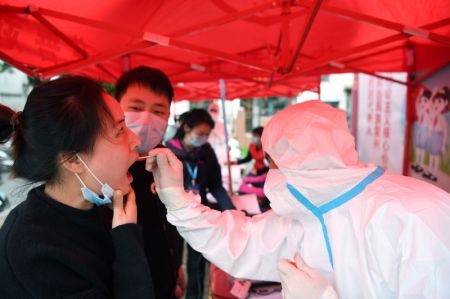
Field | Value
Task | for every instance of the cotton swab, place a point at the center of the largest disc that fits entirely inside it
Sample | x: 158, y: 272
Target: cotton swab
x: 145, y: 157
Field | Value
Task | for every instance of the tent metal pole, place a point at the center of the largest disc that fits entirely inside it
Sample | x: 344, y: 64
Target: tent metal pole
x: 88, y: 22
x: 238, y: 15
x: 82, y: 63
x: 320, y: 90
x: 126, y: 63
x: 225, y: 128
x: 358, y: 49
x: 372, y: 54
x: 401, y: 28
x: 354, y: 115
x: 305, y: 32
x: 171, y: 42
x: 107, y: 72
x: 18, y: 65
x: 34, y: 11
x: 337, y: 56
x: 411, y: 64
x: 222, y: 73
x: 431, y: 72
x: 284, y: 44
x: 12, y: 9
x: 342, y: 66
x: 119, y: 29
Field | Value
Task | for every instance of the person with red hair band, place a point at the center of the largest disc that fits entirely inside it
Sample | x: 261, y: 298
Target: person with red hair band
x: 255, y: 153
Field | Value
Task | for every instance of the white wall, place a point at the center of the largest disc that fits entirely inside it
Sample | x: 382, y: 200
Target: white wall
x: 333, y: 89
x: 13, y: 89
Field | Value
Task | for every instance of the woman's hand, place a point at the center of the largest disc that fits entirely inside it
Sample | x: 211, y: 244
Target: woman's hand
x: 124, y: 210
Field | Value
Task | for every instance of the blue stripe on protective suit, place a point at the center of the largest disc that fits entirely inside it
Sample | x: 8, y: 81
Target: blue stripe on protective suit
x: 338, y: 201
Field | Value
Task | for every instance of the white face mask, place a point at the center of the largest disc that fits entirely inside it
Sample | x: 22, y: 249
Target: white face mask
x: 197, y: 141
x: 149, y: 127
x: 275, y: 189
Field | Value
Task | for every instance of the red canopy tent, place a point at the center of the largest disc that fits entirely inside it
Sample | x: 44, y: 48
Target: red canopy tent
x: 258, y: 47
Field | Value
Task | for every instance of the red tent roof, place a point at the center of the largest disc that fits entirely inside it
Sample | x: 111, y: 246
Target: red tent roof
x: 268, y: 47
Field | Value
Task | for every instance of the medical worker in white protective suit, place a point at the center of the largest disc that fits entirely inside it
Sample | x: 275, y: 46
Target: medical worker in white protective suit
x: 361, y: 232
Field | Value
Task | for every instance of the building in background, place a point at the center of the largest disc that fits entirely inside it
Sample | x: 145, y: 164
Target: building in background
x: 14, y: 87
x: 336, y: 90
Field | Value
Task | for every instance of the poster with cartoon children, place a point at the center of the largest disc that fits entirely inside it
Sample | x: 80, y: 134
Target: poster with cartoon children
x: 430, y: 142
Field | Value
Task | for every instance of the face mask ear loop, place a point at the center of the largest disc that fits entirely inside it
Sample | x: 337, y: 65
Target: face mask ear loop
x: 82, y: 183
x: 90, y: 171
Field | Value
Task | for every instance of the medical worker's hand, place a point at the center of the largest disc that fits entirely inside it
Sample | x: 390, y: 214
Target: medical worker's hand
x: 167, y: 169
x: 168, y: 173
x: 124, y: 211
x: 299, y: 281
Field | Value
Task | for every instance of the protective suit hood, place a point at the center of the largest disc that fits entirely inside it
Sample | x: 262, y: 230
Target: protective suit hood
x: 315, y: 152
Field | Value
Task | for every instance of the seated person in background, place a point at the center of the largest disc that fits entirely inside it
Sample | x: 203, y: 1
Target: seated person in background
x: 248, y: 185
x: 362, y: 232
x: 255, y: 152
x: 201, y: 175
x: 255, y: 185
x: 72, y: 137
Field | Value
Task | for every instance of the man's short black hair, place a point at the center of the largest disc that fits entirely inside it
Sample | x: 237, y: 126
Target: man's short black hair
x: 152, y: 78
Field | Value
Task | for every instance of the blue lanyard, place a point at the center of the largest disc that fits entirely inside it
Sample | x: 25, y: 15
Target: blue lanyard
x: 338, y: 201
x: 192, y: 172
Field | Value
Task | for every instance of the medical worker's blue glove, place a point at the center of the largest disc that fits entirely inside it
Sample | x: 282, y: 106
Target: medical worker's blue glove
x: 299, y: 281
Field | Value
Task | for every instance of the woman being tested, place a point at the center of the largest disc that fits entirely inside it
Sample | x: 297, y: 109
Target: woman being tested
x: 72, y: 137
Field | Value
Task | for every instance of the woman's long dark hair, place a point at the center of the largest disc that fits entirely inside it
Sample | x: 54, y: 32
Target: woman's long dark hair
x: 65, y: 115
x: 192, y: 119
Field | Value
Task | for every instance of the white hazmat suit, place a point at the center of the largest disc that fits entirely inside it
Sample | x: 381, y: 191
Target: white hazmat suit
x: 369, y: 233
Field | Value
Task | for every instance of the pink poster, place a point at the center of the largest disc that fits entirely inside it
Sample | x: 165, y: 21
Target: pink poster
x: 381, y: 120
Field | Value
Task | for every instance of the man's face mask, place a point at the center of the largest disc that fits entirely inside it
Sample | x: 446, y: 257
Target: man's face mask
x: 91, y: 196
x: 197, y: 141
x: 149, y: 127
